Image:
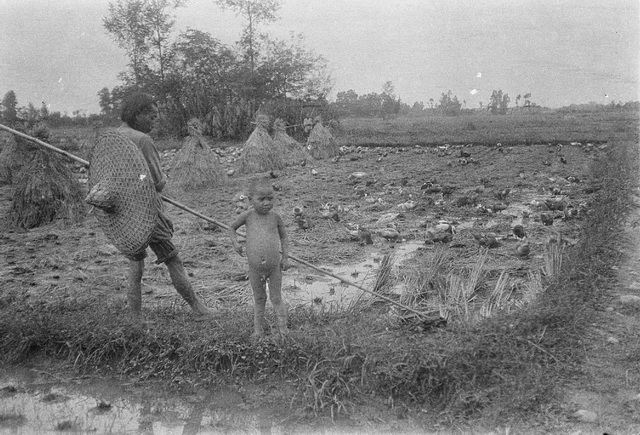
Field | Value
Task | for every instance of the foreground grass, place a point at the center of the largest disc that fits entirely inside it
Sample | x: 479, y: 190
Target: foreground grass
x: 504, y: 369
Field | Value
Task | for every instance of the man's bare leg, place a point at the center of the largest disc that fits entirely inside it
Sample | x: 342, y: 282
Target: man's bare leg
x: 134, y: 294
x: 183, y: 287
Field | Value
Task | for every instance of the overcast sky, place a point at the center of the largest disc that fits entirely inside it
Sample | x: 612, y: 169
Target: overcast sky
x: 560, y: 51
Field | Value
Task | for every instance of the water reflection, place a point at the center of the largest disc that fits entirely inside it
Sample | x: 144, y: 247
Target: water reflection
x: 32, y: 405
x: 51, y: 410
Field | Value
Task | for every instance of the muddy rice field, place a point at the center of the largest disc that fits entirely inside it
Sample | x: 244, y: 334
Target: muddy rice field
x: 372, y: 216
x: 369, y: 202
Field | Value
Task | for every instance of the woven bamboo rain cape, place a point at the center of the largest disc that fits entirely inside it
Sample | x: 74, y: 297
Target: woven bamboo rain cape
x: 122, y: 192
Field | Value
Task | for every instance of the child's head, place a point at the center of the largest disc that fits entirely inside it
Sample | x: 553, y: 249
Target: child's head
x: 261, y: 195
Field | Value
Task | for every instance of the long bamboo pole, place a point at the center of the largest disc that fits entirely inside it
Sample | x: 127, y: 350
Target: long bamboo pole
x: 213, y: 221
x: 303, y: 262
x: 44, y: 144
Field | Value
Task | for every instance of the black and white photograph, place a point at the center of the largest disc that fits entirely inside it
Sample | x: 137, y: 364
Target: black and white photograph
x: 320, y: 217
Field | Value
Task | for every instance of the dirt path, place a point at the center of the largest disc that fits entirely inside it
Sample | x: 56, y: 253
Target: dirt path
x: 606, y: 397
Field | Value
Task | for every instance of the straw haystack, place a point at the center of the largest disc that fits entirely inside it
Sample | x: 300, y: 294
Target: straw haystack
x: 260, y: 152
x: 296, y: 153
x: 321, y: 143
x: 196, y: 166
x: 45, y: 189
x: 16, y: 152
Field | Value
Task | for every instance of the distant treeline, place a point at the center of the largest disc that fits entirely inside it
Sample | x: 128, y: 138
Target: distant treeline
x: 348, y: 104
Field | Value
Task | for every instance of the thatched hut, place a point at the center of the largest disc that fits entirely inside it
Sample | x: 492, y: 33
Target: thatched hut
x: 260, y: 152
x: 296, y: 153
x: 321, y: 143
x: 46, y: 189
x: 196, y: 166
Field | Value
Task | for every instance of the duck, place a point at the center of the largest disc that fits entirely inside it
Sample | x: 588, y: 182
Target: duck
x: 329, y: 211
x: 519, y: 232
x: 364, y: 236
x: 389, y: 233
x: 298, y: 211
x: 498, y: 206
x: 523, y: 249
x: 444, y: 227
x: 546, y: 219
x: 303, y: 224
x: 501, y: 195
x: 486, y: 240
x: 409, y: 205
x: 570, y: 212
x: 438, y: 237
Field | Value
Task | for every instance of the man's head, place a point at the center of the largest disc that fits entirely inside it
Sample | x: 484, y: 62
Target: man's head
x: 261, y: 195
x: 139, y: 111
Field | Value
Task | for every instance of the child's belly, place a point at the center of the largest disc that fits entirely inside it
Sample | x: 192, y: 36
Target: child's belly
x: 263, y: 254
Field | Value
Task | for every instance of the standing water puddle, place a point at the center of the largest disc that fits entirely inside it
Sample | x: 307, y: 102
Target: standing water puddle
x: 30, y: 403
x: 322, y: 290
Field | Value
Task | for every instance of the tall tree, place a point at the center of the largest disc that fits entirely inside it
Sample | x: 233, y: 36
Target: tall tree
x: 9, y: 108
x: 504, y: 104
x: 129, y: 30
x: 449, y: 104
x: 105, y: 101
x: 255, y: 12
x: 44, y: 111
x: 389, y: 104
x: 201, y: 77
x: 142, y: 29
x: 499, y: 103
x: 31, y: 114
x: 287, y: 69
x: 495, y: 101
x: 161, y: 22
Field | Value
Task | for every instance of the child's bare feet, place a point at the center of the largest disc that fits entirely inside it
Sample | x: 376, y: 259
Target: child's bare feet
x: 136, y: 321
x: 134, y: 317
x: 281, y: 315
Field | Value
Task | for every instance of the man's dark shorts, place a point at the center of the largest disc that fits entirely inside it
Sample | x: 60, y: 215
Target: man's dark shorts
x: 160, y: 242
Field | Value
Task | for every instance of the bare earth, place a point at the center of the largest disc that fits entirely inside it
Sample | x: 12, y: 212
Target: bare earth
x: 610, y: 385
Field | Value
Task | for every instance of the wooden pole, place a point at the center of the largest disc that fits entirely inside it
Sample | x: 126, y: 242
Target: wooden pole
x: 44, y: 144
x: 306, y: 263
x: 219, y: 224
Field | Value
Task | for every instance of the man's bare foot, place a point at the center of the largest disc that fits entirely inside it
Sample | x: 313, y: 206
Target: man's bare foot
x: 137, y: 321
x: 200, y: 312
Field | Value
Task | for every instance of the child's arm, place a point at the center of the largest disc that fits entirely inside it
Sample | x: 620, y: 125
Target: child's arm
x: 242, y: 220
x: 284, y: 243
